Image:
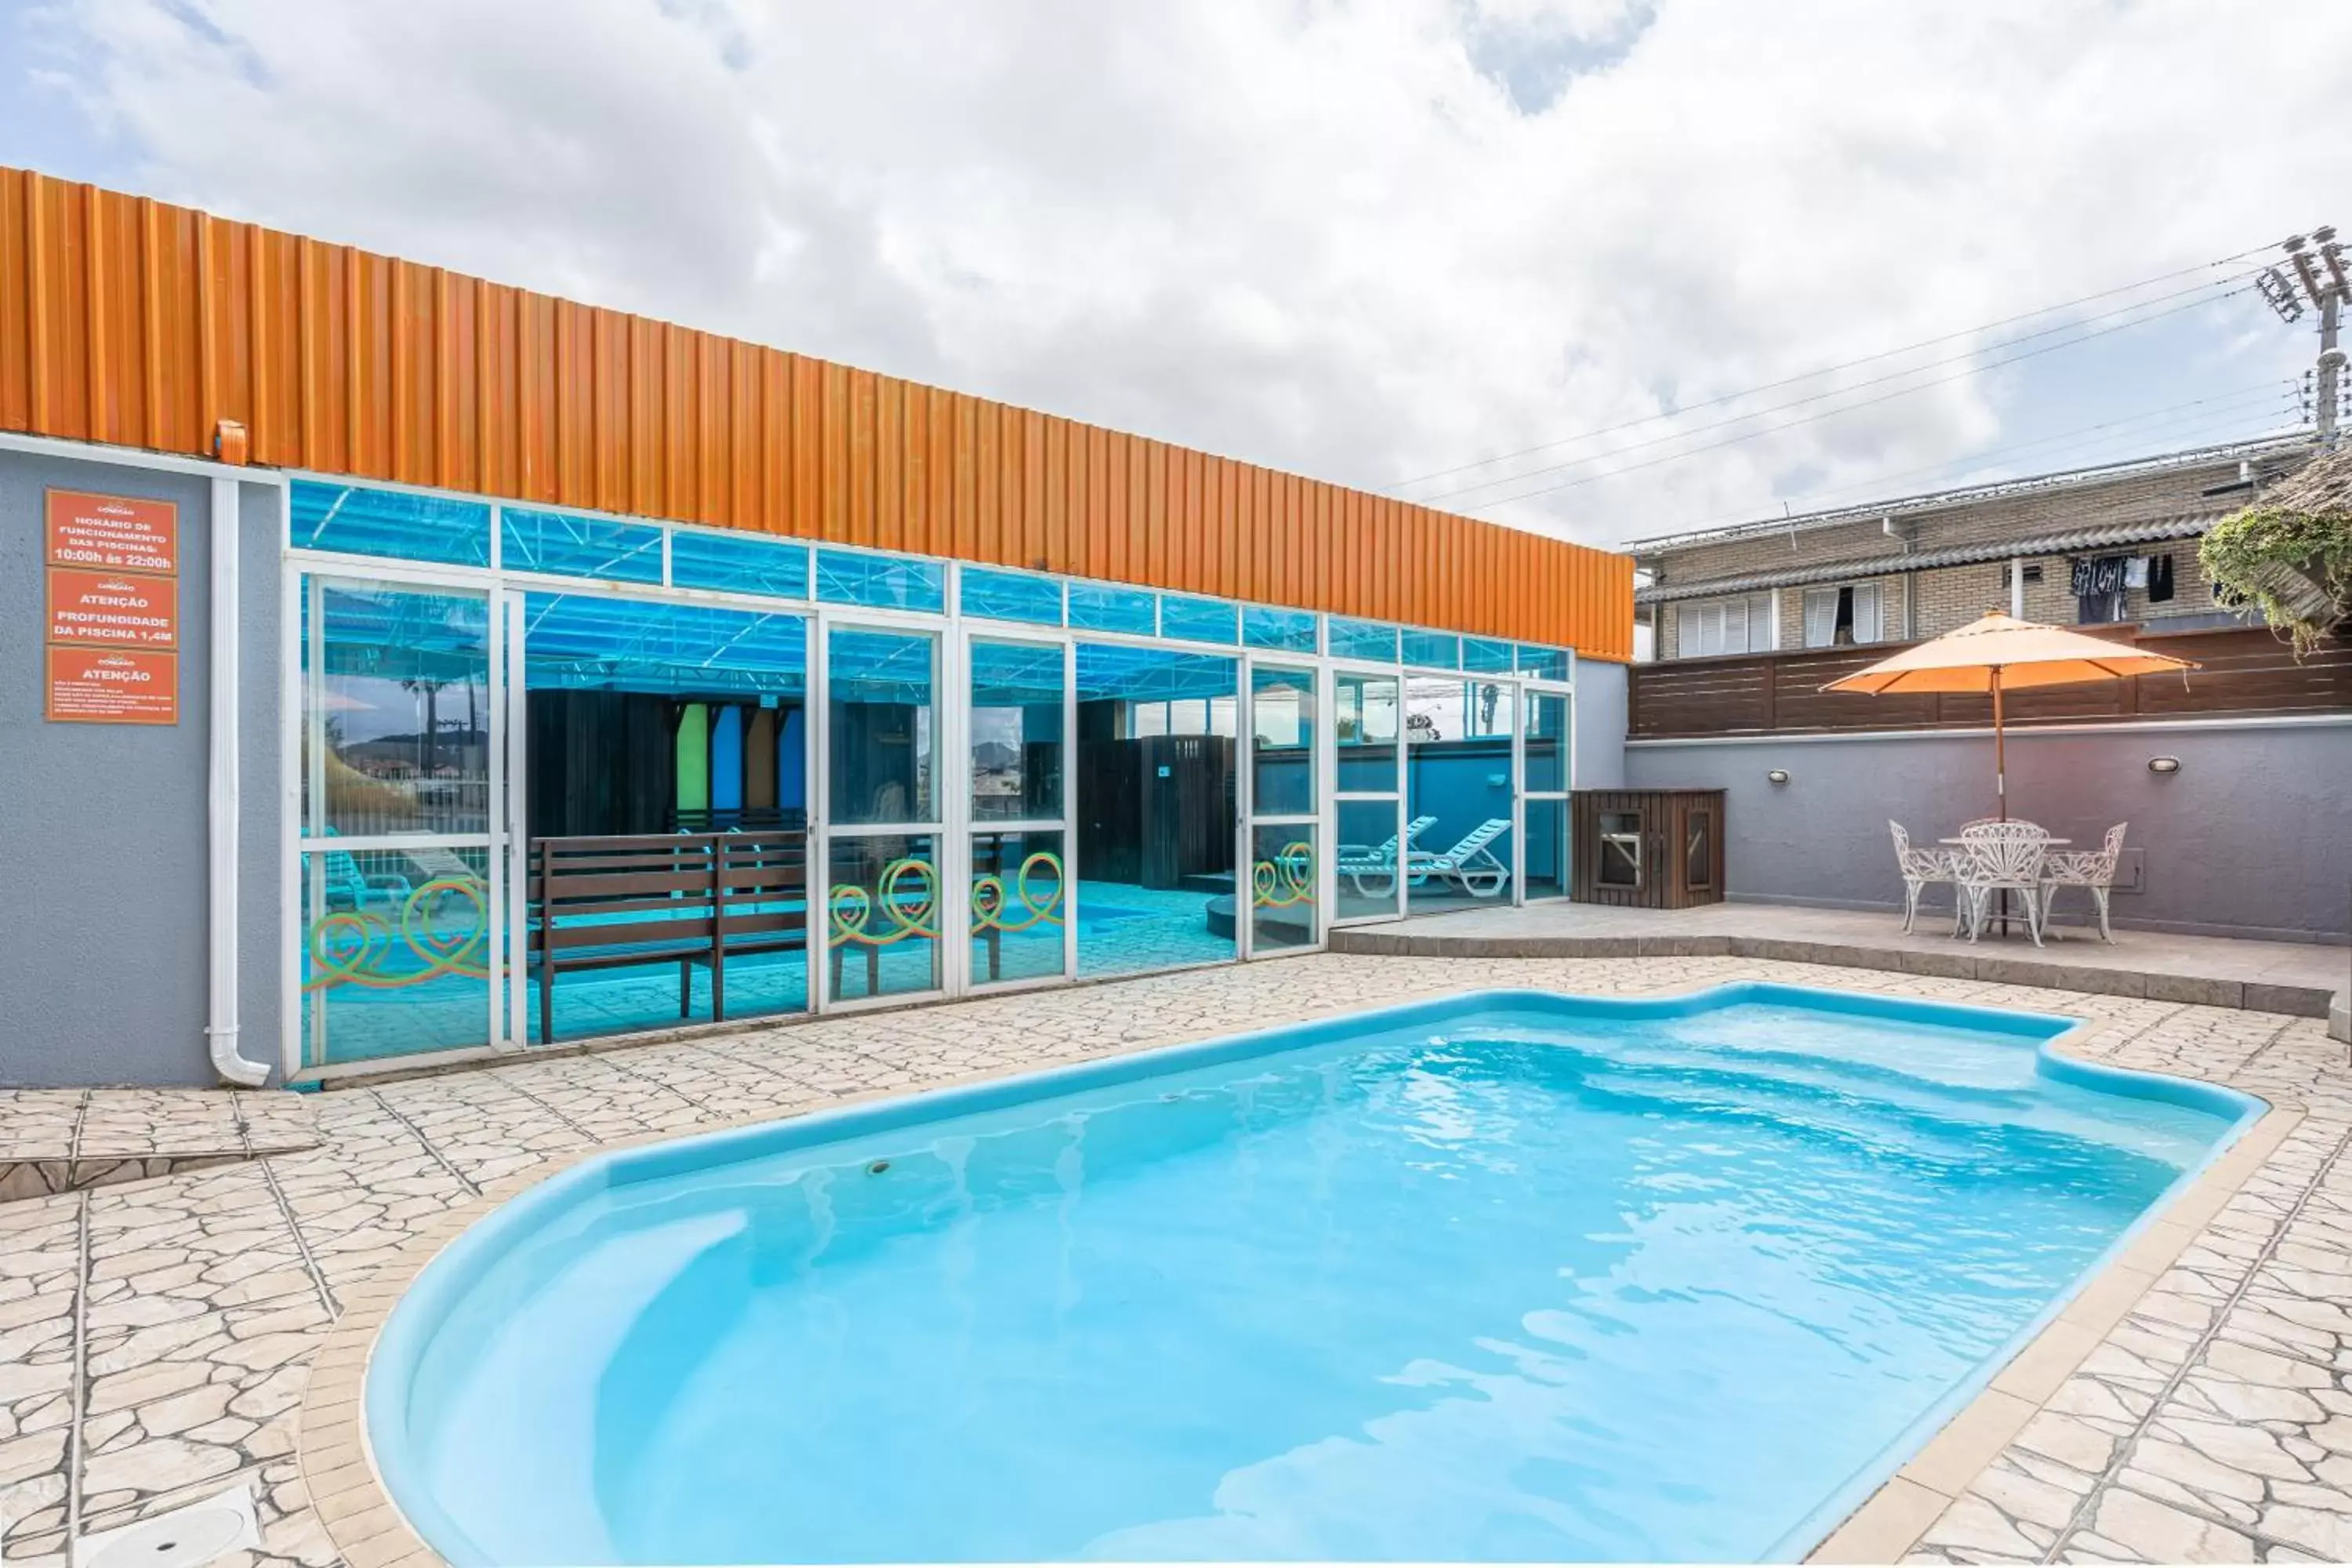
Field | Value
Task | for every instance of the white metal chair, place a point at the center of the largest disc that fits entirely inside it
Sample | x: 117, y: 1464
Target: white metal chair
x: 2000, y: 858
x: 2092, y: 868
x: 1469, y: 865
x: 1356, y: 862
x: 1925, y: 868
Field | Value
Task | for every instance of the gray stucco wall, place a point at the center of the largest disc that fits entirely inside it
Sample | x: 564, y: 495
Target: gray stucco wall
x: 2251, y: 837
x: 103, y: 827
x: 1600, y: 724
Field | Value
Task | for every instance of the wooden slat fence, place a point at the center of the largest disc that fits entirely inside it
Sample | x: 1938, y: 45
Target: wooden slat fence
x: 2246, y: 670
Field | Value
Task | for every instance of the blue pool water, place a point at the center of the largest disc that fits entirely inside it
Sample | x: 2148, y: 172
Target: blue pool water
x: 1507, y: 1276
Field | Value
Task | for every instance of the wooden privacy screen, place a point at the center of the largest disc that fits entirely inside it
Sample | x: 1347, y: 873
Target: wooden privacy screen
x: 137, y: 323
x: 2242, y: 670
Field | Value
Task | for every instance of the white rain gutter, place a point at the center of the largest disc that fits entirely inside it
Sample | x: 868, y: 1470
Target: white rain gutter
x: 221, y: 924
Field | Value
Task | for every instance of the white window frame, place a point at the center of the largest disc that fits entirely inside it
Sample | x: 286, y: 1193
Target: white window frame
x: 1759, y: 618
x: 1875, y: 587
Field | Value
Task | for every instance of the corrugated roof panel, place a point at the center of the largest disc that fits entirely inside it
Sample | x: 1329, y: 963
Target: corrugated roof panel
x: 135, y: 322
x: 2074, y: 540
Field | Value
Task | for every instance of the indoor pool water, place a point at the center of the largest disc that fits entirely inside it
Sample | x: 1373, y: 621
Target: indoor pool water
x: 1508, y: 1276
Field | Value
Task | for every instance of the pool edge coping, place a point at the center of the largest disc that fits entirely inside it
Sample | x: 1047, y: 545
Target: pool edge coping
x: 368, y: 1530
x: 1888, y: 1523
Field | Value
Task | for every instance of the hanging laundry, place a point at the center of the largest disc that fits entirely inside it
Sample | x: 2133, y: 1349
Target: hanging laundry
x: 2159, y: 579
x: 2098, y: 589
x: 2136, y: 572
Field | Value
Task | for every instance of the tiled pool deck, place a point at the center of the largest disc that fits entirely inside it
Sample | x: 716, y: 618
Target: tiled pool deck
x: 157, y: 1336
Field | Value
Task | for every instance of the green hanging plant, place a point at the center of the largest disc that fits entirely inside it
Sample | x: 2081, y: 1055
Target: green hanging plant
x: 2290, y: 554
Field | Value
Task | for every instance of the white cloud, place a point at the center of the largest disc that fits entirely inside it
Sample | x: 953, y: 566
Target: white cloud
x: 1362, y: 240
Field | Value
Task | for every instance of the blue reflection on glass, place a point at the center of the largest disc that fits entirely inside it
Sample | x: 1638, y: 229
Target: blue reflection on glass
x: 1198, y: 620
x: 1284, y: 631
x: 1010, y: 595
x: 738, y: 563
x: 357, y: 521
x: 1543, y: 663
x: 1487, y: 656
x: 1096, y: 607
x: 1432, y: 651
x: 568, y: 547
x: 1361, y: 640
x: 596, y: 642
x: 880, y: 581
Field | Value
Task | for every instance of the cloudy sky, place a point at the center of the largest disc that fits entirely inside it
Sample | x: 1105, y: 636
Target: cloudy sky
x: 1370, y: 240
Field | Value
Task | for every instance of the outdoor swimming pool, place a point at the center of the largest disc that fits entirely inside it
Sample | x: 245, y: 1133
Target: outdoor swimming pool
x: 1504, y: 1276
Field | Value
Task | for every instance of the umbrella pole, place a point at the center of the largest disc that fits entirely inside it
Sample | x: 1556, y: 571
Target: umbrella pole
x: 1999, y: 750
x: 2000, y: 780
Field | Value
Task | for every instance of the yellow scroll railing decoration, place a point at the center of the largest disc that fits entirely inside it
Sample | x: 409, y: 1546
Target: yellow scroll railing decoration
x: 989, y: 904
x: 1288, y: 879
x: 908, y: 893
x: 350, y: 947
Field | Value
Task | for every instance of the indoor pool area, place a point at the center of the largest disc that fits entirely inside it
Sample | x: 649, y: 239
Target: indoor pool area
x: 1508, y: 1276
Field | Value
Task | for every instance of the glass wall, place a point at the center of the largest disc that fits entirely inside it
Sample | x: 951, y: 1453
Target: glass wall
x: 1459, y: 759
x: 650, y: 722
x: 542, y: 679
x: 882, y: 929
x: 1544, y: 806
x: 1019, y: 885
x: 397, y: 916
x: 1283, y: 870
x: 1155, y: 807
x: 1371, y: 836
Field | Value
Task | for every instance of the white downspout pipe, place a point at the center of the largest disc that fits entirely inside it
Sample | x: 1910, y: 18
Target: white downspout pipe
x: 221, y: 923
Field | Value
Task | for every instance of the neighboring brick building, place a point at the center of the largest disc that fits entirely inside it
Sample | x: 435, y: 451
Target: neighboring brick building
x: 1898, y: 571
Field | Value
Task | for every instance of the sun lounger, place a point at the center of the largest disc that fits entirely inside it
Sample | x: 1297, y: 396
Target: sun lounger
x: 1469, y: 865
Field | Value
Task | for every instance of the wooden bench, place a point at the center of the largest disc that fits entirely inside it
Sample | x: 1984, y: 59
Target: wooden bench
x: 688, y: 898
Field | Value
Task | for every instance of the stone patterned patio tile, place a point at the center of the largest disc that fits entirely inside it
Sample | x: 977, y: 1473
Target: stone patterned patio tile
x: 137, y: 1122
x: 2213, y: 1423
x: 40, y: 1276
x: 39, y: 1123
x: 189, y: 1405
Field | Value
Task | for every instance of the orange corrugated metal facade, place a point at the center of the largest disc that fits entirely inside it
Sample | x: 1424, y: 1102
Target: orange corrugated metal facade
x: 138, y: 323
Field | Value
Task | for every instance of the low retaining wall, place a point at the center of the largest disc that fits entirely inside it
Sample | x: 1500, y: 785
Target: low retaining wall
x: 2204, y: 991
x: 2252, y: 836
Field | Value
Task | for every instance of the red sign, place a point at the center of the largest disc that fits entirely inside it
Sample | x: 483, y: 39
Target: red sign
x: 113, y: 609
x: 114, y: 533
x: 113, y: 686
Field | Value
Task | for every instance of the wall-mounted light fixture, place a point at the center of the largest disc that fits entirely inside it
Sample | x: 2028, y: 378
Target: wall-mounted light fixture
x: 2164, y: 765
x: 1777, y: 776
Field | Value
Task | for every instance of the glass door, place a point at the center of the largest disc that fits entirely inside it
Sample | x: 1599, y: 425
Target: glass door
x: 880, y: 825
x: 1460, y: 738
x: 1370, y: 838
x: 399, y: 881
x: 1283, y: 884
x: 1544, y: 841
x: 1019, y: 899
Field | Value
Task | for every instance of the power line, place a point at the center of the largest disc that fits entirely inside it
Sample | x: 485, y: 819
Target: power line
x: 1824, y: 414
x: 2219, y: 429
x: 1826, y: 370
x: 2233, y: 407
x: 2228, y: 285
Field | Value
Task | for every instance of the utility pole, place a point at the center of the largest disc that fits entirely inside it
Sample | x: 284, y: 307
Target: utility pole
x: 2320, y: 267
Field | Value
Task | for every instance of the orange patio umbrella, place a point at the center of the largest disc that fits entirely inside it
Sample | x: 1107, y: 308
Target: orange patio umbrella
x: 2001, y: 653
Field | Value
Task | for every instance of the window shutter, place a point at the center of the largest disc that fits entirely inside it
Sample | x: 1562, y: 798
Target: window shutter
x: 1734, y: 626
x: 1820, y: 616
x: 1865, y: 612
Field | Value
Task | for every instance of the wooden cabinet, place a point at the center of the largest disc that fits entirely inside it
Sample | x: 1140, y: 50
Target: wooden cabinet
x: 1651, y: 848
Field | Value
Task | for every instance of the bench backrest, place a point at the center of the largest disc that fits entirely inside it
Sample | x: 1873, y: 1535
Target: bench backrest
x: 674, y: 889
